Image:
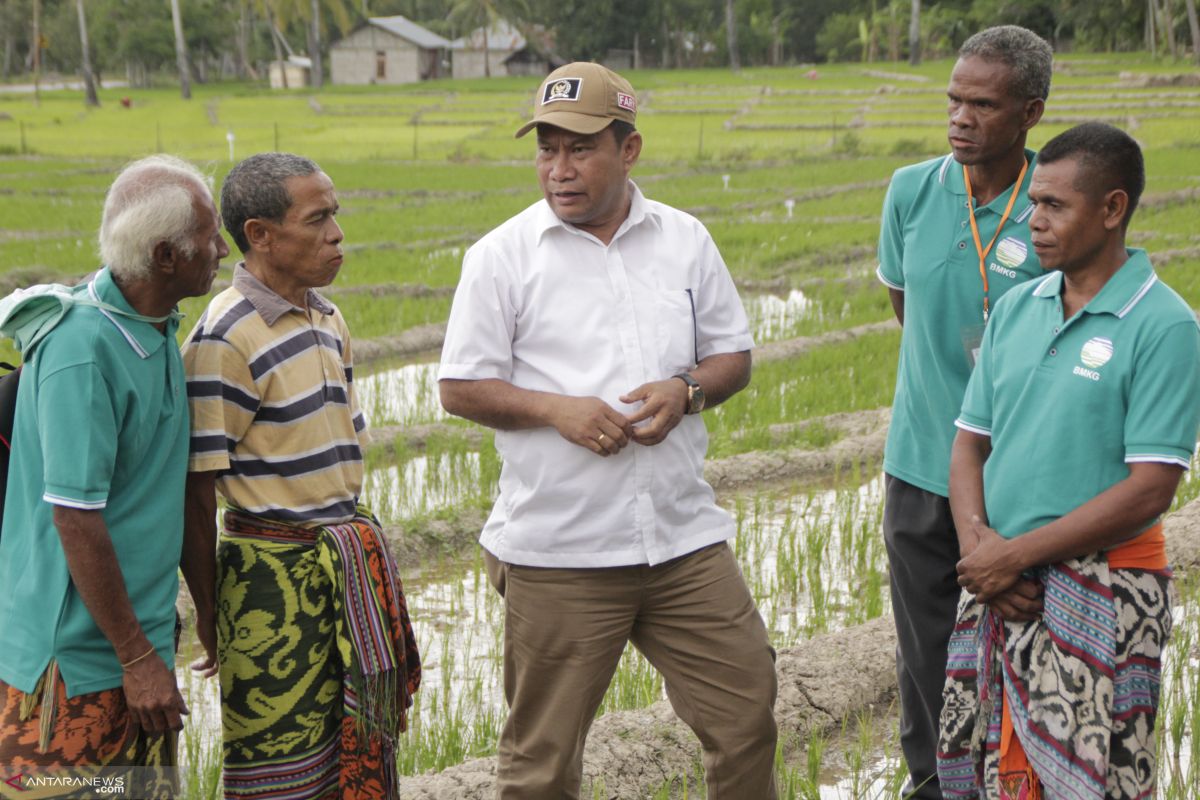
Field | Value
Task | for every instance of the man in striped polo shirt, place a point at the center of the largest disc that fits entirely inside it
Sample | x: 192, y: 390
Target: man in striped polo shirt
x: 313, y: 686
x: 1078, y: 421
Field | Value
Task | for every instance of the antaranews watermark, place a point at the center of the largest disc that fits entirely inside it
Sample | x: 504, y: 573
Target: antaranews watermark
x: 89, y: 783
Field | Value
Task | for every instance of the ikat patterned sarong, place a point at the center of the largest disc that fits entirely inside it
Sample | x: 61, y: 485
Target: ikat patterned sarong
x: 318, y: 660
x: 1081, y: 683
x: 46, y: 729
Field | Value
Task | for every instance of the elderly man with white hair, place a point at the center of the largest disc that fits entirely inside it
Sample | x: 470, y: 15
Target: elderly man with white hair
x: 93, y: 522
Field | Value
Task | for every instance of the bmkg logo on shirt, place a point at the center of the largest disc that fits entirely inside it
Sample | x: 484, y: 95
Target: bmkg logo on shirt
x: 1096, y: 352
x: 1011, y: 251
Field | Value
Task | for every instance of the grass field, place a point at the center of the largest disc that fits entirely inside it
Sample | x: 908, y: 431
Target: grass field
x: 423, y: 171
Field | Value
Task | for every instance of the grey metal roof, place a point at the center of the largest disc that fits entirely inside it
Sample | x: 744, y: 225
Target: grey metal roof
x: 410, y: 31
x: 501, y: 36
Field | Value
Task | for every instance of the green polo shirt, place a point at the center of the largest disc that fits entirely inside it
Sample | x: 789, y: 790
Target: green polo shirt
x: 1069, y: 403
x: 926, y: 249
x: 101, y: 424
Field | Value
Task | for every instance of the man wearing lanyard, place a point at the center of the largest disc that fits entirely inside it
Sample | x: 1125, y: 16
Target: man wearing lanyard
x: 953, y: 239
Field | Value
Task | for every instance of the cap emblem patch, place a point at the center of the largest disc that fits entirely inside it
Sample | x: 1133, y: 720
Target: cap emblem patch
x: 562, y: 89
x: 627, y: 101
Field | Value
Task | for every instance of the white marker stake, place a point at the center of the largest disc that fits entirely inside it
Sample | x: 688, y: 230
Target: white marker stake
x: 725, y: 179
x: 789, y: 204
x: 229, y: 138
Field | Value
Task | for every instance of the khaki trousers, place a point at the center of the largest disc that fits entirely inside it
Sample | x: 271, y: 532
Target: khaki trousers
x: 694, y: 620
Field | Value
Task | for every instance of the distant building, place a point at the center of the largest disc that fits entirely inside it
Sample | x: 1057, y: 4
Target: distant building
x: 537, y: 57
x: 389, y: 50
x: 294, y: 73
x: 502, y: 40
x: 508, y: 50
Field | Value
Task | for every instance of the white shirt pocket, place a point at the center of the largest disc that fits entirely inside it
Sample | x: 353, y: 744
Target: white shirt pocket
x: 676, y: 329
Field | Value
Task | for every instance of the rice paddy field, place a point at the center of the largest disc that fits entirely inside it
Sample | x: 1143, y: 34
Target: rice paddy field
x: 787, y: 168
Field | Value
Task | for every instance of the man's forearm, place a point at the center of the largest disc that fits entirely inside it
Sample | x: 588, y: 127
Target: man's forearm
x: 198, y: 558
x: 967, y: 457
x: 1111, y: 517
x: 497, y: 404
x: 723, y: 375
x: 94, y: 569
x: 897, y: 298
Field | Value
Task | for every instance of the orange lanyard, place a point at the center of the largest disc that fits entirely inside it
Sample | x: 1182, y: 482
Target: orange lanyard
x: 979, y: 248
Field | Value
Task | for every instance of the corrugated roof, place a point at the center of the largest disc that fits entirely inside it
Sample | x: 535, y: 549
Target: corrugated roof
x: 501, y: 36
x: 410, y: 31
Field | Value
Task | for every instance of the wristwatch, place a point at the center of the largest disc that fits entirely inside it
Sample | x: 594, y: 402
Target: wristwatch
x: 695, y: 403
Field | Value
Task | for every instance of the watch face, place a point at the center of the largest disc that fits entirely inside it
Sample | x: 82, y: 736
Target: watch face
x: 695, y: 399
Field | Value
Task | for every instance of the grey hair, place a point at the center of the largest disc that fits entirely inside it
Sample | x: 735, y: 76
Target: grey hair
x: 151, y: 201
x: 255, y: 189
x: 1026, y: 54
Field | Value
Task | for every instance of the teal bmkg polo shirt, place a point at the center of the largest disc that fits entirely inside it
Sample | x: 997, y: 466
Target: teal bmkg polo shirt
x: 927, y: 250
x: 102, y: 425
x: 1069, y: 404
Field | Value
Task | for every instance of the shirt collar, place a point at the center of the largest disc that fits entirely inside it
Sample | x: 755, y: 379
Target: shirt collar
x: 267, y: 302
x: 1124, y: 289
x: 950, y: 176
x: 142, y: 337
x: 640, y: 211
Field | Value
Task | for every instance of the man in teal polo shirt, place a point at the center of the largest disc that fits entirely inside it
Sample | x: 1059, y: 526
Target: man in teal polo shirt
x: 1077, y: 424
x: 953, y: 240
x: 93, y: 519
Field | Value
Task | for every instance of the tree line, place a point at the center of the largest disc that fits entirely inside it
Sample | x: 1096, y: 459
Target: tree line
x: 207, y: 39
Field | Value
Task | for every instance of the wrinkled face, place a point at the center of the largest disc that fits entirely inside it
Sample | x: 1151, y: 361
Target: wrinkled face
x: 307, y: 245
x: 986, y: 122
x: 1067, y: 227
x: 585, y: 178
x: 195, y: 273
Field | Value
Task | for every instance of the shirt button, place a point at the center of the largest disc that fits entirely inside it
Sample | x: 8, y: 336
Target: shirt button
x: 1053, y: 351
x: 1056, y: 330
x: 962, y: 245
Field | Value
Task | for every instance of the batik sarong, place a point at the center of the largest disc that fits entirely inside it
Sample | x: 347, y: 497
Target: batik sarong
x: 1081, y: 684
x: 46, y: 729
x: 318, y: 662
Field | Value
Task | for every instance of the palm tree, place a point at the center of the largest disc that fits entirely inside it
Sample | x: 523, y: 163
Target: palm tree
x: 181, y: 57
x: 914, y: 34
x: 280, y: 14
x: 314, y: 46
x: 470, y: 15
x: 1194, y: 24
x: 89, y: 83
x: 731, y: 36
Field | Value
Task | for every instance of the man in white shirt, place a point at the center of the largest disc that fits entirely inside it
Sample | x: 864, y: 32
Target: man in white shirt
x: 590, y: 330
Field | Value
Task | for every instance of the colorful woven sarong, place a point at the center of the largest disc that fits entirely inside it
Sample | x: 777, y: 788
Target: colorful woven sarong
x: 1081, y: 685
x: 317, y: 656
x: 46, y: 729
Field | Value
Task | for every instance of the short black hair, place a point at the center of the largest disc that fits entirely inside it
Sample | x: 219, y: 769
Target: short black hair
x: 1108, y: 158
x: 255, y: 189
x: 621, y: 130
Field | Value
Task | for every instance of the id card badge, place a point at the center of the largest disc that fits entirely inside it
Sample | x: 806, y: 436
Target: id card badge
x: 972, y: 340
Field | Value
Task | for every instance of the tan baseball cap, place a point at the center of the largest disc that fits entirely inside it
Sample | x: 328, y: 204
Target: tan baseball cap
x: 582, y: 98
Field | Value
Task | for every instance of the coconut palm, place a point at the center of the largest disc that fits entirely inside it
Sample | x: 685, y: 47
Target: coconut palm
x: 914, y: 34
x: 470, y: 15
x: 181, y: 56
x: 89, y: 82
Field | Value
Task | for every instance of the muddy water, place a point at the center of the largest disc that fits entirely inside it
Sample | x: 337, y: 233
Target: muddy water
x: 457, y: 615
x: 403, y: 395
x: 773, y: 318
x: 407, y: 394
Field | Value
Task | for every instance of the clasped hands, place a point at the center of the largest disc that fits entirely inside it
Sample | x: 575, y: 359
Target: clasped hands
x: 593, y: 424
x: 990, y: 572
